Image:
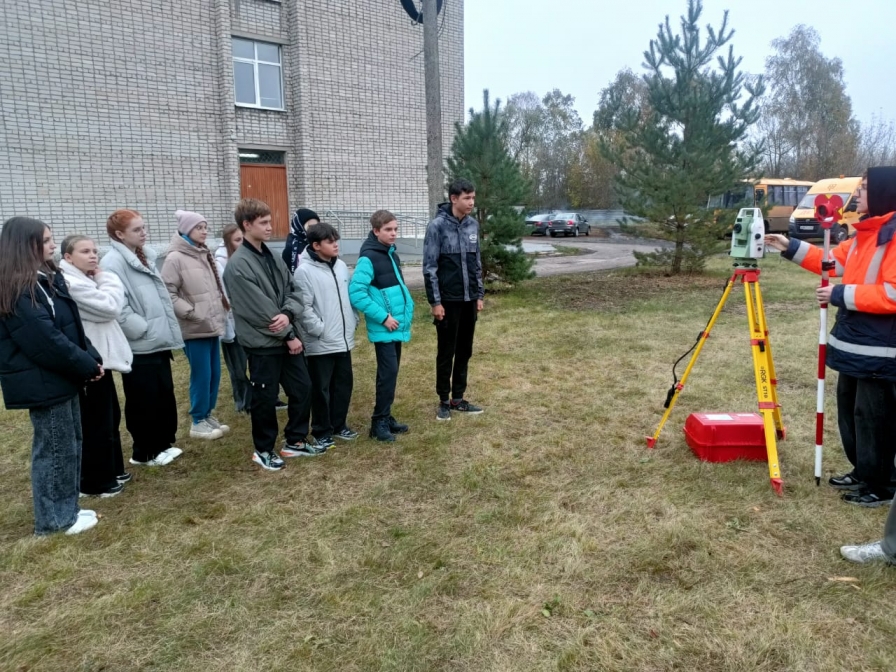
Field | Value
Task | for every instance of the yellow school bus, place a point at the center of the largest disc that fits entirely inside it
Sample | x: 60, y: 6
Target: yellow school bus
x: 781, y: 195
x: 803, y: 224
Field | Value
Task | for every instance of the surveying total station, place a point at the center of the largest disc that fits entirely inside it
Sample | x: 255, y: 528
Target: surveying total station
x: 747, y: 247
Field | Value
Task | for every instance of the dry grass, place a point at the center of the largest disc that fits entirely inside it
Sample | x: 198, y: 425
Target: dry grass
x: 541, y: 535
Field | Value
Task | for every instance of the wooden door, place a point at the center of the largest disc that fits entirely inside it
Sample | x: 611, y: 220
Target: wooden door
x: 268, y: 183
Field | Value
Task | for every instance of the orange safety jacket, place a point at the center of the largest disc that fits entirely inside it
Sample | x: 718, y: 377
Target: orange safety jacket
x: 863, y: 341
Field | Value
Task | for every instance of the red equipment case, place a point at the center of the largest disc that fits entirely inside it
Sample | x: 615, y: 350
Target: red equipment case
x: 722, y: 437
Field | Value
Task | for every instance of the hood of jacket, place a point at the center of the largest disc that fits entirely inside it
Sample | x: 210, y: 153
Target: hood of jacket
x: 312, y: 257
x: 132, y: 260
x: 372, y: 244
x: 444, y: 210
x: 196, y: 250
x: 221, y: 255
x: 881, y: 190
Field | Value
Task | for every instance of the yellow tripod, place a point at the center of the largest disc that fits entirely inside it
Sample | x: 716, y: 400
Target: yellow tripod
x: 763, y: 368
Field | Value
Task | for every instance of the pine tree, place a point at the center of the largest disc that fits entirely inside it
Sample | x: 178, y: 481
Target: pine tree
x: 688, y: 148
x: 480, y: 154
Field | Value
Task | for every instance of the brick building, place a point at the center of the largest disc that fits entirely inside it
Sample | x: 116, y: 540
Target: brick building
x: 165, y: 104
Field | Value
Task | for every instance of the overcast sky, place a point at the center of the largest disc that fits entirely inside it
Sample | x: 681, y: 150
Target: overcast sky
x: 578, y: 46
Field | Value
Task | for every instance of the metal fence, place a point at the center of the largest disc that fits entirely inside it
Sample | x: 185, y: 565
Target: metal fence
x: 354, y: 224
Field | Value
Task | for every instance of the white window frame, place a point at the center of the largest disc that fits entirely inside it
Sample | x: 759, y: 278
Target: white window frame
x: 254, y: 63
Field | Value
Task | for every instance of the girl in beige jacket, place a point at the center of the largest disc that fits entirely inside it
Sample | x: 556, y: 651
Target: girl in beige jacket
x: 192, y: 279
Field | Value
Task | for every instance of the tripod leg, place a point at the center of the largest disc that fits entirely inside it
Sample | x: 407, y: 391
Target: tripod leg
x: 764, y: 389
x: 676, y: 390
x: 781, y: 431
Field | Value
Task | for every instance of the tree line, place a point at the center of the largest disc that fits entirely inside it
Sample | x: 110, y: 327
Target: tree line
x: 692, y: 125
x: 805, y: 128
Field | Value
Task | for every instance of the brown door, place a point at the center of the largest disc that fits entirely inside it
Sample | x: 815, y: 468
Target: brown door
x: 268, y: 183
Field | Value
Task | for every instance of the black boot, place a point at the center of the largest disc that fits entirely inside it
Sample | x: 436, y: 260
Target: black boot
x: 379, y: 430
x: 396, y: 427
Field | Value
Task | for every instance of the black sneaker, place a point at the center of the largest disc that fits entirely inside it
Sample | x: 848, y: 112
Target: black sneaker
x: 396, y: 427
x: 270, y: 461
x: 346, y: 434
x: 464, y: 406
x: 444, y: 412
x: 308, y: 448
x: 866, y: 498
x: 379, y: 430
x: 123, y: 478
x: 111, y: 491
x: 846, y: 482
x: 281, y: 405
x: 326, y: 441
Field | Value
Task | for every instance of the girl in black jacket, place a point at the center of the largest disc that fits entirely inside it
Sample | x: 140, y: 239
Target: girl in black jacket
x: 45, y: 359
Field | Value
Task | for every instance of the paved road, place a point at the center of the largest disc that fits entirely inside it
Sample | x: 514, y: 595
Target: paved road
x: 602, y: 254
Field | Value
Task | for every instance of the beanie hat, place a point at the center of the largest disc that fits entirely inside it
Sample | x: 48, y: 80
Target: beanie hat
x: 881, y: 190
x: 187, y: 221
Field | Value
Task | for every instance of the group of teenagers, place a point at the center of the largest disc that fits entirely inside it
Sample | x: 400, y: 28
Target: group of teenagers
x: 283, y: 322
x: 288, y: 322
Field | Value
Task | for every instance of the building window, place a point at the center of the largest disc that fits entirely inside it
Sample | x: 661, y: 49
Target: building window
x: 271, y: 157
x: 257, y: 74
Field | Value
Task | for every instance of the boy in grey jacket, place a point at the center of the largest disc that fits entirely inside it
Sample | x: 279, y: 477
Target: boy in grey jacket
x: 328, y: 326
x: 266, y: 311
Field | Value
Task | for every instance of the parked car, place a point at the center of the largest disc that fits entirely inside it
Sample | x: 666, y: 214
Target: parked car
x: 569, y: 224
x: 539, y: 224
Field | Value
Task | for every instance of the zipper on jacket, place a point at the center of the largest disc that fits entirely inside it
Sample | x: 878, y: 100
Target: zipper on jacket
x: 404, y: 290
x: 341, y: 309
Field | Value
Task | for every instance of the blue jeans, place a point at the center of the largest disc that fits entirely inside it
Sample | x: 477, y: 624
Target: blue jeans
x: 204, y: 355
x: 56, y: 465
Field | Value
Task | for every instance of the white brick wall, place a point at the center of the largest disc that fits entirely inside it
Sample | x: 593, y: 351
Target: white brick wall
x: 130, y: 104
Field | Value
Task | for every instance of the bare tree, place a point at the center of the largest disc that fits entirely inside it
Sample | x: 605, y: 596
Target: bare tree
x: 808, y: 118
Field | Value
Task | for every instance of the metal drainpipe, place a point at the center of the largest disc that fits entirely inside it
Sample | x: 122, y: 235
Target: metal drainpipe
x: 229, y: 178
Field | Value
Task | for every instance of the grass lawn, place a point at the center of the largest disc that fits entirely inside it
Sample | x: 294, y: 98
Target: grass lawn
x: 541, y: 535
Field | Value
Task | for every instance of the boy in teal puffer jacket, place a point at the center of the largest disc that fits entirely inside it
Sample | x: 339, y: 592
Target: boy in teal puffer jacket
x: 377, y: 289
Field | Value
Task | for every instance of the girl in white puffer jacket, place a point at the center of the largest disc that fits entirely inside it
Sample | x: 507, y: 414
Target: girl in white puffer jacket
x: 100, y: 299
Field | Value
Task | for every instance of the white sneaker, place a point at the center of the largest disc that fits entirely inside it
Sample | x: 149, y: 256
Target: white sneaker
x: 82, y: 524
x: 866, y: 553
x: 89, y: 513
x: 159, y: 460
x: 213, y: 421
x: 172, y: 452
x: 203, y: 430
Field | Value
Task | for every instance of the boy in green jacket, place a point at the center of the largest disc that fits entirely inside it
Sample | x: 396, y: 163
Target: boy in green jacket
x: 377, y: 289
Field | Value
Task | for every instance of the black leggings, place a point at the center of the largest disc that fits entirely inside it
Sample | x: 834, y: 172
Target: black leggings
x: 150, y: 407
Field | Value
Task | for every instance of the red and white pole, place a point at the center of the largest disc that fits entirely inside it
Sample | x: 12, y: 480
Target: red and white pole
x: 828, y: 210
x: 822, y: 353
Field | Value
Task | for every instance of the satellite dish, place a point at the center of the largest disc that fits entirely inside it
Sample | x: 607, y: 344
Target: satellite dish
x: 417, y: 14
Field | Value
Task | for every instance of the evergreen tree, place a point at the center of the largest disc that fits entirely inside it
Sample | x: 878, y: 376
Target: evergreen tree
x: 480, y: 154
x: 688, y: 147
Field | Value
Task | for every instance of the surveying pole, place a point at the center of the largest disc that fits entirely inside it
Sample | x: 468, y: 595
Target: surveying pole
x: 828, y: 210
x: 433, y: 104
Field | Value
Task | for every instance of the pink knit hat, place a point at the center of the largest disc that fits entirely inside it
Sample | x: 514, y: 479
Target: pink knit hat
x: 187, y: 221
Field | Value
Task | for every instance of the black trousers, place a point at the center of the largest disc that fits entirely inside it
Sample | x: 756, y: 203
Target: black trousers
x: 865, y: 409
x: 455, y: 347
x: 332, y: 382
x: 388, y: 359
x: 101, y: 458
x: 237, y: 364
x: 267, y: 373
x: 150, y: 407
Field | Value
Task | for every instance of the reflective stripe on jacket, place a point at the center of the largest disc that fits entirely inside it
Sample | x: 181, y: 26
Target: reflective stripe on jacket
x: 863, y: 341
